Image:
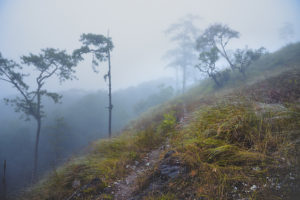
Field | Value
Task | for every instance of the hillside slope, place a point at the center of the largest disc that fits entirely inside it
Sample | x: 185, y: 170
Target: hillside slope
x: 238, y: 142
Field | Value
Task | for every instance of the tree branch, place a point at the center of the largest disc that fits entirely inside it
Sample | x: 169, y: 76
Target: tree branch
x: 5, y: 80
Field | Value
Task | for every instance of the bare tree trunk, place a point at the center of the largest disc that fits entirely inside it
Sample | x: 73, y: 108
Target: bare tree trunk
x: 110, y: 106
x: 224, y: 54
x: 4, y: 180
x: 216, y: 80
x: 177, y: 81
x: 37, y: 139
x: 183, y: 79
x: 243, y: 73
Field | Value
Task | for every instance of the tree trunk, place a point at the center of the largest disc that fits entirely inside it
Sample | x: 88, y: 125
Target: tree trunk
x: 243, y: 73
x: 216, y: 80
x: 227, y: 58
x: 183, y: 79
x: 177, y: 81
x: 4, y: 180
x: 110, y: 106
x: 37, y: 139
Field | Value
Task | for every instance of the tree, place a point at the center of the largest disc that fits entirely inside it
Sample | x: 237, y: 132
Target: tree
x: 217, y: 36
x: 99, y: 46
x: 184, y: 34
x: 49, y: 63
x: 243, y: 58
x: 207, y: 64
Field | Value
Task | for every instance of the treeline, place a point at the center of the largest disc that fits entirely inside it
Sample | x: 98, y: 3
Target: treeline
x: 207, y: 51
x: 212, y: 47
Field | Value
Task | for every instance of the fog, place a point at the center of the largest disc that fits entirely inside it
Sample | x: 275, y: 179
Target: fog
x: 69, y: 127
x: 140, y: 76
x: 137, y: 29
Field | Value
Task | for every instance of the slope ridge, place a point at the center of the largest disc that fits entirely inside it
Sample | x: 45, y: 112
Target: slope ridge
x: 241, y: 144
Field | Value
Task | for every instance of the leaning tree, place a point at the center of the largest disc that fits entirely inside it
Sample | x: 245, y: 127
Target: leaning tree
x: 29, y: 101
x: 100, y: 47
x: 218, y: 36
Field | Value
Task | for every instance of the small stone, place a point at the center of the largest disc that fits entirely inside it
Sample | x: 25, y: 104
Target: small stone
x: 147, y: 164
x: 253, y: 187
x: 169, y: 153
x: 127, y: 166
x: 256, y: 168
x: 136, y: 162
x: 76, y: 183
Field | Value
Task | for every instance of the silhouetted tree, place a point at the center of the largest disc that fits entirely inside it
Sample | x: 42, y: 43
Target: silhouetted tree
x: 99, y: 46
x: 217, y: 36
x: 184, y: 34
x: 49, y: 63
x: 243, y: 58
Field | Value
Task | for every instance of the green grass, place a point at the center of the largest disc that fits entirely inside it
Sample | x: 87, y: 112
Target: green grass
x: 223, y: 143
x: 237, y: 136
x: 107, y: 160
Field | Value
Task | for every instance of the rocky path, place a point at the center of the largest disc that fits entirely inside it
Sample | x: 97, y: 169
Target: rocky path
x: 124, y: 189
x: 166, y: 168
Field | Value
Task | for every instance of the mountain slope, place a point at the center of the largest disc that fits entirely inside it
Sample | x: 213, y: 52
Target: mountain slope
x: 238, y: 142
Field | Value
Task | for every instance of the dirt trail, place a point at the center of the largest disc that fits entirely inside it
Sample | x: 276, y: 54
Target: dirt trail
x: 124, y: 189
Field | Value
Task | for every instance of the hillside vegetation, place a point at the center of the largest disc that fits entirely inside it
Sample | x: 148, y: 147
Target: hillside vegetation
x: 240, y: 141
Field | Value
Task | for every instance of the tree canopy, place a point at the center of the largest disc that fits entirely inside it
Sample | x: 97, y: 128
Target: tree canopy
x: 217, y: 36
x: 98, y: 45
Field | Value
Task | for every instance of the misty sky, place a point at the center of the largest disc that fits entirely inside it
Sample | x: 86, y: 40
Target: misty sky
x: 137, y: 29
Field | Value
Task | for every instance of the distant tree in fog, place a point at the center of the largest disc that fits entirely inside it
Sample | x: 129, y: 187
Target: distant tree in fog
x: 100, y: 47
x: 243, y: 58
x: 217, y: 36
x: 183, y: 34
x: 49, y: 63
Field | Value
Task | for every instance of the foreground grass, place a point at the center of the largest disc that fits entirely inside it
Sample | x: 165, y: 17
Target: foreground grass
x: 239, y: 150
